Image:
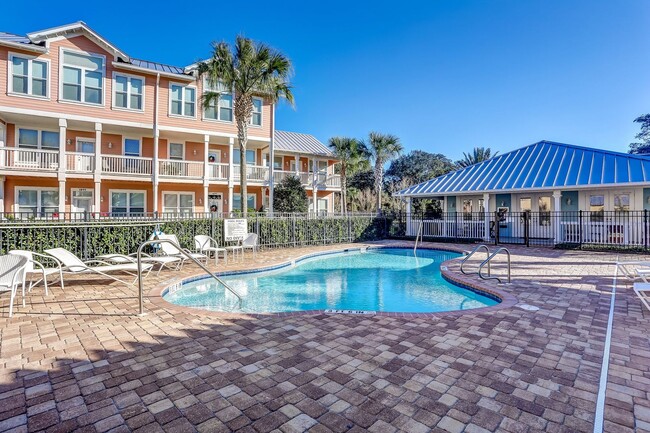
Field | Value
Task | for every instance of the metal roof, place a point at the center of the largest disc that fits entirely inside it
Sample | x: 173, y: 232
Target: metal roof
x: 543, y: 165
x: 158, y: 67
x: 10, y: 37
x: 296, y: 142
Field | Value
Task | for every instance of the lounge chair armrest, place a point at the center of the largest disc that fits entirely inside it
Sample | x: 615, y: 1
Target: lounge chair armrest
x: 49, y: 257
x: 87, y: 262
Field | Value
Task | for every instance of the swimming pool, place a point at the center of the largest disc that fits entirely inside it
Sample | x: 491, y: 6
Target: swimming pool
x: 377, y: 280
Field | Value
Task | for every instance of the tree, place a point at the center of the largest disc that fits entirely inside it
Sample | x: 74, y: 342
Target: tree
x: 417, y: 167
x: 383, y: 148
x: 252, y: 69
x: 642, y: 147
x: 290, y: 195
x: 479, y: 154
x: 351, y: 154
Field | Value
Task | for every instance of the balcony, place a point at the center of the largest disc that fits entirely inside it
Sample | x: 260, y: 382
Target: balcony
x: 218, y: 171
x: 78, y: 162
x: 254, y: 173
x: 180, y: 169
x: 126, y: 165
x: 20, y: 159
x: 307, y: 179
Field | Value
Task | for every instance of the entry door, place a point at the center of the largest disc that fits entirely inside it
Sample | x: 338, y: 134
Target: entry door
x: 84, y: 162
x: 215, y: 202
x: 82, y: 200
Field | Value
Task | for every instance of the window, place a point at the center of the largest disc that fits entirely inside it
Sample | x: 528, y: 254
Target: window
x: 321, y: 206
x: 256, y: 117
x: 176, y: 151
x: 277, y: 163
x: 38, y: 202
x: 525, y: 204
x: 221, y: 109
x: 127, y: 203
x: 467, y: 209
x: 131, y: 147
x: 34, y: 139
x: 83, y: 78
x: 621, y: 202
x: 128, y: 92
x: 481, y: 205
x: 236, y: 202
x: 597, y: 207
x: 250, y: 157
x: 182, y: 100
x: 28, y: 76
x: 544, y: 204
x: 178, y: 203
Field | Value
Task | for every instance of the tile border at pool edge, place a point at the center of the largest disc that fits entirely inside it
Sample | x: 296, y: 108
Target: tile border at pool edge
x: 507, y: 300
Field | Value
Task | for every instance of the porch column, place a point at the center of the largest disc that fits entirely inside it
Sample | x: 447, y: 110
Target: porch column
x: 314, y: 184
x: 97, y: 173
x: 63, y: 127
x: 3, y: 143
x: 486, y: 206
x: 297, y: 159
x: 231, y: 171
x: 557, y: 208
x: 272, y: 161
x: 409, y: 223
x: 154, y: 168
x: 2, y: 194
x: 206, y: 172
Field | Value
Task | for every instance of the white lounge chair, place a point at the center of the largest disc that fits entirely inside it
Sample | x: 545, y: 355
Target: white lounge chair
x: 12, y: 273
x: 171, y: 262
x: 35, y: 267
x: 174, y: 249
x: 74, y: 265
x: 635, y: 270
x: 206, y: 245
x: 250, y: 243
x: 642, y: 290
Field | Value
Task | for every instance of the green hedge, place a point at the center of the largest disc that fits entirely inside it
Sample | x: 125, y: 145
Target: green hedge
x: 90, y: 239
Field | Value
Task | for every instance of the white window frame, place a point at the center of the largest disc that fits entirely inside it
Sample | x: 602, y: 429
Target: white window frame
x: 237, y: 152
x: 10, y: 81
x: 139, y: 139
x: 169, y: 150
x: 630, y: 199
x: 128, y: 92
x: 83, y: 78
x: 128, y: 204
x: 84, y: 139
x: 39, y: 201
x: 249, y: 195
x: 178, y: 200
x: 250, y: 121
x: 92, y: 196
x: 207, y: 88
x: 39, y: 145
x: 196, y: 104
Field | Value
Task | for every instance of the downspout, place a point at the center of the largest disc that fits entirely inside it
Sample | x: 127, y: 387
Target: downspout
x: 156, y: 135
x: 271, y: 160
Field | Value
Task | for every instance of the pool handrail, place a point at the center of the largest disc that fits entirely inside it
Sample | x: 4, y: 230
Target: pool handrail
x: 474, y: 251
x: 487, y: 261
x: 186, y: 254
x: 420, y: 234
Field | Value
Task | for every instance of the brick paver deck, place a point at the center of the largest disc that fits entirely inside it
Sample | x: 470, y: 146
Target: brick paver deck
x: 80, y: 359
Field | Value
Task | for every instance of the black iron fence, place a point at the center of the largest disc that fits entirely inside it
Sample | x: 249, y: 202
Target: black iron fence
x: 580, y: 228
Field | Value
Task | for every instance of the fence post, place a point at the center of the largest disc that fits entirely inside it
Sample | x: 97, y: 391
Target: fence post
x: 580, y: 228
x: 645, y: 229
x: 496, y: 227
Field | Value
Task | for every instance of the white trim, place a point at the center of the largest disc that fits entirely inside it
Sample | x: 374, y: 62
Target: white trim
x: 39, y: 139
x: 58, y: 115
x: 22, y: 46
x: 63, y: 50
x: 128, y: 204
x: 178, y: 200
x: 30, y: 59
x: 238, y: 194
x: 39, y: 203
x: 127, y: 137
x: 250, y: 121
x: 87, y: 140
x: 129, y: 77
x: 169, y: 100
x: 92, y: 197
x: 169, y: 147
x: 217, y: 111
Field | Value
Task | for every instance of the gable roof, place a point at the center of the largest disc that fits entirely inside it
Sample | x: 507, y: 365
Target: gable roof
x: 542, y: 165
x: 295, y: 142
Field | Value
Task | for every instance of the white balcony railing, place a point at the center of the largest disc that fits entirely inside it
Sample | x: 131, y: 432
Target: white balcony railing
x: 78, y: 162
x: 333, y: 181
x: 176, y: 168
x: 132, y: 165
x: 21, y: 159
x: 218, y: 171
x: 254, y: 173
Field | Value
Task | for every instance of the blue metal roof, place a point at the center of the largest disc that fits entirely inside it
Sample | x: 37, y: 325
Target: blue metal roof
x: 543, y: 165
x: 158, y: 67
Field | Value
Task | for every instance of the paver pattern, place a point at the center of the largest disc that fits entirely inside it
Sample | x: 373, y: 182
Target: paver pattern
x: 81, y: 360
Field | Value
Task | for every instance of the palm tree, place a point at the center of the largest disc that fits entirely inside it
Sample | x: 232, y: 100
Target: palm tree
x: 383, y: 148
x: 479, y: 154
x: 352, y: 155
x: 251, y: 69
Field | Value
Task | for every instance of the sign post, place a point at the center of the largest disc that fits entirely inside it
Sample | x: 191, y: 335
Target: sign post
x: 234, y: 229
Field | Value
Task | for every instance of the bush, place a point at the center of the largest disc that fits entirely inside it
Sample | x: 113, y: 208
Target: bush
x: 290, y: 196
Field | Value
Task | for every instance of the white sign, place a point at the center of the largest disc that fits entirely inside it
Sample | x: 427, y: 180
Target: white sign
x: 234, y: 229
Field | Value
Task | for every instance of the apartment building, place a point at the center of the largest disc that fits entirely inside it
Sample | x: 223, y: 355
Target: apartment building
x: 84, y: 127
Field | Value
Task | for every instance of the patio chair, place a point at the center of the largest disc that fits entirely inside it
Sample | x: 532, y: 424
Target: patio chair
x: 250, y: 243
x: 175, y: 250
x: 74, y: 265
x: 171, y: 262
x: 642, y: 290
x: 12, y: 273
x: 35, y: 267
x: 206, y: 245
x: 635, y: 270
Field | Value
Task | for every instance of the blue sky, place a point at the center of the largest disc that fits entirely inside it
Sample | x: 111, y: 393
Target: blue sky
x: 445, y: 76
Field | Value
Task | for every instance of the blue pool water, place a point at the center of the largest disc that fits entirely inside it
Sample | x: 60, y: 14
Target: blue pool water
x: 390, y: 280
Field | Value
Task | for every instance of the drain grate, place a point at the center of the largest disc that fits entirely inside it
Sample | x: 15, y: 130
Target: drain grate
x: 331, y: 311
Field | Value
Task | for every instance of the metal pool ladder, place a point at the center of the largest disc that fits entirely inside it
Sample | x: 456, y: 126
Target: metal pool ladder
x: 486, y: 262
x: 474, y: 251
x: 186, y: 254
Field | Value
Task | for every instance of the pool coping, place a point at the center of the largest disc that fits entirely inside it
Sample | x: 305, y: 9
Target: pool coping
x: 506, y: 299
